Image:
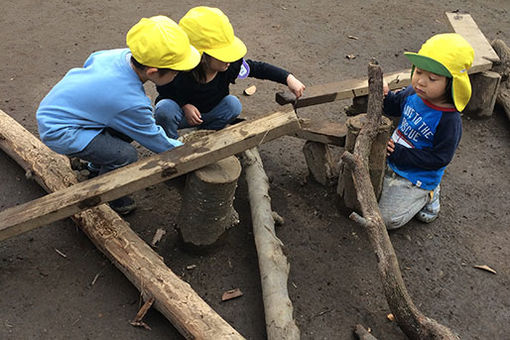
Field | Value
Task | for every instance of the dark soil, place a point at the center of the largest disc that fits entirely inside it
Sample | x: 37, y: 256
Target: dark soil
x: 333, y: 282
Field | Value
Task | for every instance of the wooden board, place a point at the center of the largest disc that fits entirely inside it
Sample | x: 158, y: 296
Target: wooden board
x: 325, y: 93
x: 464, y: 25
x: 174, y: 298
x: 146, y: 172
x: 326, y: 132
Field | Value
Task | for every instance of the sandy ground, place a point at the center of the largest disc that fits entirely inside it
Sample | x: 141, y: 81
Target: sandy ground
x: 333, y: 282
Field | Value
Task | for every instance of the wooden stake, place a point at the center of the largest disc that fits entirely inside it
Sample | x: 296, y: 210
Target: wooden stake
x: 174, y: 298
x: 274, y: 268
x: 412, y: 322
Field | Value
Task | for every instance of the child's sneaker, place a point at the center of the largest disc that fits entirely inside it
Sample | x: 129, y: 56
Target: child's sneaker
x: 431, y: 210
x: 123, y: 205
x: 93, y: 170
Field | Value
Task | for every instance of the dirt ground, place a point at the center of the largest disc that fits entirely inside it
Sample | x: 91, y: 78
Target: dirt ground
x: 333, y: 282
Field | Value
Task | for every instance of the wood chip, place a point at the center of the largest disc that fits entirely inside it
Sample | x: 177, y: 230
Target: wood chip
x: 250, y: 90
x: 191, y: 267
x: 231, y: 294
x: 137, y: 321
x: 61, y: 253
x: 486, y: 268
x: 157, y: 236
x: 350, y: 56
x: 390, y: 317
x: 352, y: 37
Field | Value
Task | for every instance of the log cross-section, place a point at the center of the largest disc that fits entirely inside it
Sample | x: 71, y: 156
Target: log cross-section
x: 146, y: 172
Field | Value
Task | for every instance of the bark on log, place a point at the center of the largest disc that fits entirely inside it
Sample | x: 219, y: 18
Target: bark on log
x: 320, y: 163
x: 503, y: 68
x: 274, y: 268
x: 377, y: 159
x: 207, y: 209
x: 412, y: 322
x: 174, y: 298
x: 485, y: 90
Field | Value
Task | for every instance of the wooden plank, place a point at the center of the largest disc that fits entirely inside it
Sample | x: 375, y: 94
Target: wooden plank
x: 464, y: 25
x: 174, y: 298
x: 146, y: 172
x: 325, y: 93
x: 326, y: 132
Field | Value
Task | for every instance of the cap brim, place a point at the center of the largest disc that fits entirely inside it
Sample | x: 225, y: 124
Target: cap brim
x: 188, y: 63
x: 461, y: 88
x: 427, y: 64
x: 230, y: 53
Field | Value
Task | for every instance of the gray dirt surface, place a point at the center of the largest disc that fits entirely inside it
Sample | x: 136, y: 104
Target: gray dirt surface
x: 333, y: 282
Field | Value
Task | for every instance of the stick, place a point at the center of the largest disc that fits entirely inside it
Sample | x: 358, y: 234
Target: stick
x: 412, y: 322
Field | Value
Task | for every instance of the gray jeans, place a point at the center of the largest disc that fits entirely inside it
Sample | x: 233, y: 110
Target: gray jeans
x: 400, y: 200
x: 108, y: 151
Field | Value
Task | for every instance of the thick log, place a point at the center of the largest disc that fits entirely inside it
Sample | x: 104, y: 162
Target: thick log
x: 412, y: 322
x: 320, y: 163
x: 146, y: 172
x: 174, y: 298
x: 207, y: 209
x: 485, y: 87
x: 377, y: 159
x: 274, y: 268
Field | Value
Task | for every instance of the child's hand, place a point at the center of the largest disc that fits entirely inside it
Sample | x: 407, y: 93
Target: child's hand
x: 385, y: 88
x: 193, y: 116
x: 295, y: 86
x: 390, y: 147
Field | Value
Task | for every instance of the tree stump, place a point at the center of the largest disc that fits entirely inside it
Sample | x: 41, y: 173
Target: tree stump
x: 503, y: 68
x: 485, y: 87
x: 207, y: 206
x: 320, y: 162
x: 377, y: 159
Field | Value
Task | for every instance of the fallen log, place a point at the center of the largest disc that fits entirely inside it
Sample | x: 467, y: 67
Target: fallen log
x: 412, y: 322
x: 146, y: 172
x: 274, y: 268
x: 174, y: 298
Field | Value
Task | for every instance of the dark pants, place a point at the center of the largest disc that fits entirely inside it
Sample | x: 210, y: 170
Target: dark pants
x: 108, y: 151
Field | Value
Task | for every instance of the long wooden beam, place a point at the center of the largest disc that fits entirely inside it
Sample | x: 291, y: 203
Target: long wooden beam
x: 174, y: 298
x: 146, y: 172
x: 325, y: 93
x: 462, y: 24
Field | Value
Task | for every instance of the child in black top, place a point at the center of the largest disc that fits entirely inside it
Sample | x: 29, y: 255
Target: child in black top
x: 201, y: 97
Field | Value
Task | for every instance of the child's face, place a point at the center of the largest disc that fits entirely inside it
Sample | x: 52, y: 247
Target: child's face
x: 217, y: 65
x: 429, y: 86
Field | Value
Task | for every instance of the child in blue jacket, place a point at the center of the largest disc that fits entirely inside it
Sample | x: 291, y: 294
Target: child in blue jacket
x: 429, y: 130
x: 95, y: 111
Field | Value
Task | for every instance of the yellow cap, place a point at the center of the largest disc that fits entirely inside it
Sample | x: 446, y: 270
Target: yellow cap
x: 159, y: 42
x: 210, y: 31
x: 449, y: 55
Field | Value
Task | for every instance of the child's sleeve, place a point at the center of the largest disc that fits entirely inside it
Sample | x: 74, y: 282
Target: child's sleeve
x: 394, y: 101
x: 139, y: 124
x: 446, y: 140
x: 262, y: 70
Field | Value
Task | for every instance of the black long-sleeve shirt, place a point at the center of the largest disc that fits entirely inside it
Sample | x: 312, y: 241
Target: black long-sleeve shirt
x: 184, y: 89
